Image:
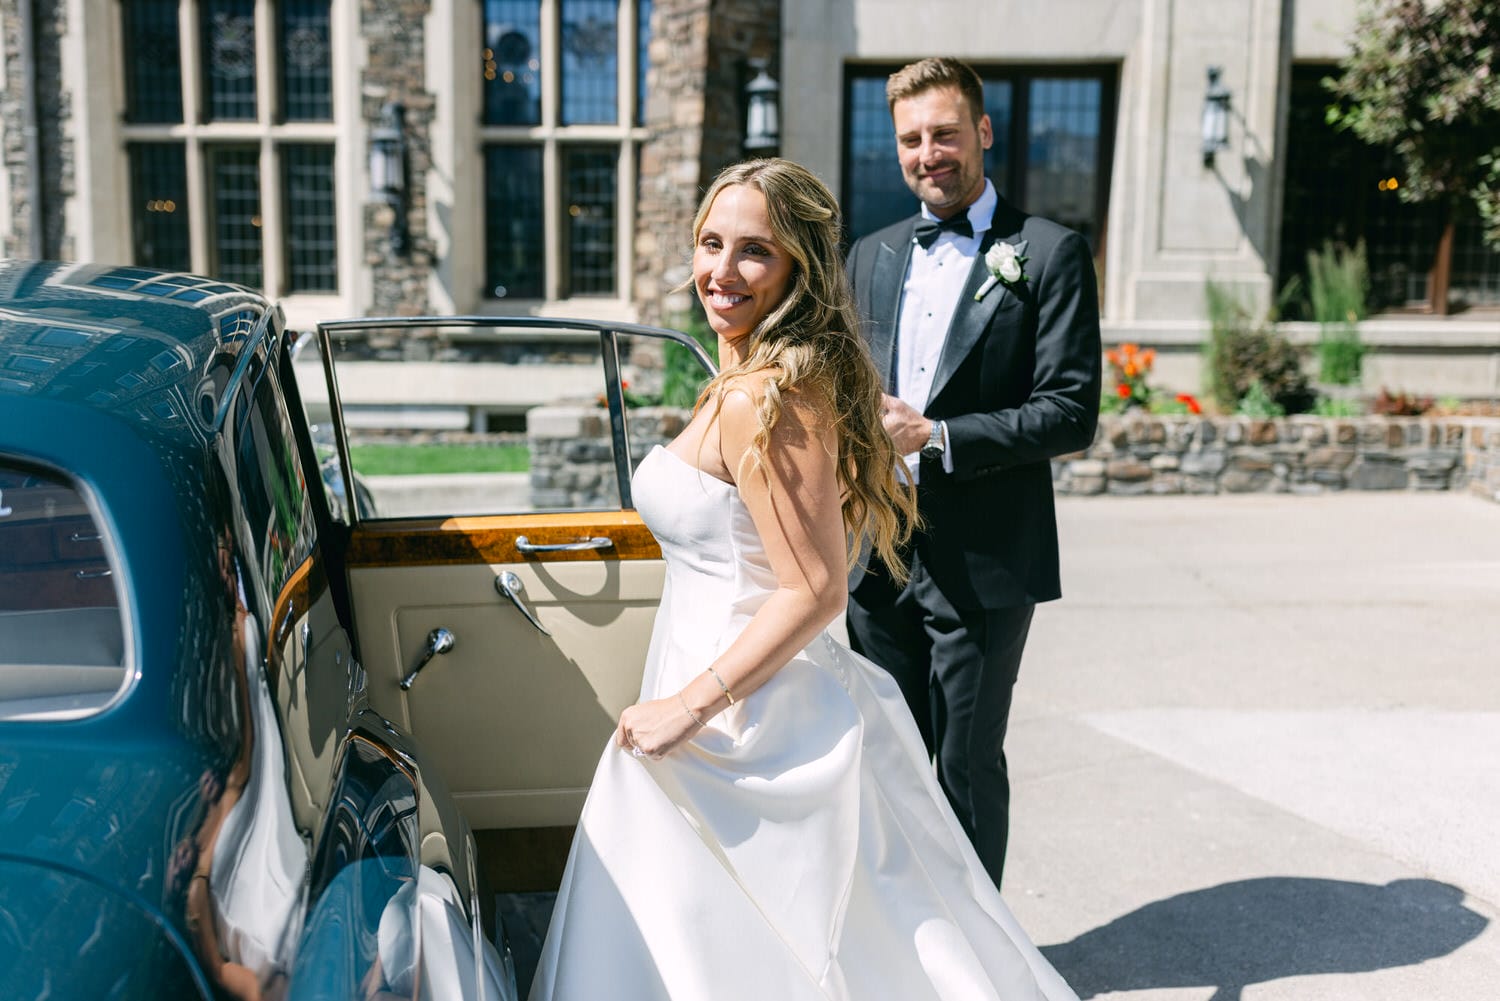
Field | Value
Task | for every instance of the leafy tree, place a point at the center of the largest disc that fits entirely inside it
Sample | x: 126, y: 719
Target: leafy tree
x: 1423, y: 78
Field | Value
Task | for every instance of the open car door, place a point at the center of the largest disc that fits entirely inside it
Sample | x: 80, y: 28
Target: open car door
x: 503, y: 588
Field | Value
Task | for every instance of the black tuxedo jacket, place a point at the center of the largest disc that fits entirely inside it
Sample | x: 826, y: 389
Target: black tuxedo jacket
x: 1017, y: 383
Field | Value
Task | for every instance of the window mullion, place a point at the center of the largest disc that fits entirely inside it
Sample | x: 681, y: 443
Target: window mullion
x: 192, y: 62
x: 625, y: 66
x: 625, y: 186
x: 192, y: 98
x: 552, y: 212
x: 552, y: 218
x: 551, y: 36
x: 272, y: 230
x: 272, y: 225
x: 265, y: 64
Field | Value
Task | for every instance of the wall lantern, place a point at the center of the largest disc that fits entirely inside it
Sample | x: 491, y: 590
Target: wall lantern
x: 1215, y: 117
x: 388, y: 169
x: 762, y: 123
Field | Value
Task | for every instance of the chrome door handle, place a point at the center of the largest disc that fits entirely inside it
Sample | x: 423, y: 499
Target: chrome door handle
x: 523, y: 545
x: 438, y: 641
x: 510, y: 586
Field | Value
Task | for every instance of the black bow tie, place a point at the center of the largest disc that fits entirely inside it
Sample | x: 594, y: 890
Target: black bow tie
x: 928, y: 229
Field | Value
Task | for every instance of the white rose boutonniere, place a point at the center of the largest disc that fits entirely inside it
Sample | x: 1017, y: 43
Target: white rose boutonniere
x: 1004, y: 261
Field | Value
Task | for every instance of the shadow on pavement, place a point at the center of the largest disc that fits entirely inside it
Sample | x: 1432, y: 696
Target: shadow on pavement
x: 1250, y: 931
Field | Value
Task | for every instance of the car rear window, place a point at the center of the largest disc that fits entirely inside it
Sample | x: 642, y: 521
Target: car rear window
x: 62, y: 642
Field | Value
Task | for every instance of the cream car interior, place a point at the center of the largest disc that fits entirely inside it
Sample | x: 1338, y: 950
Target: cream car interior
x: 515, y: 719
x: 501, y: 620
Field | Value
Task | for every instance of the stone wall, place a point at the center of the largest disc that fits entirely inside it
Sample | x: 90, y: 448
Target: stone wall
x: 394, y: 35
x: 695, y: 108
x: 572, y: 464
x: 572, y: 460
x: 1158, y: 454
x: 53, y: 117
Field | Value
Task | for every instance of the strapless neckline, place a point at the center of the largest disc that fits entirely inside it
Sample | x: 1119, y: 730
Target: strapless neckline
x: 703, y: 474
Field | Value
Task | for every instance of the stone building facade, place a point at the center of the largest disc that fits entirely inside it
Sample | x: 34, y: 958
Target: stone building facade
x: 1162, y: 220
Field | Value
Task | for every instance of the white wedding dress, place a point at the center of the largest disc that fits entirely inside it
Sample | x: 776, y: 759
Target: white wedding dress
x: 797, y: 848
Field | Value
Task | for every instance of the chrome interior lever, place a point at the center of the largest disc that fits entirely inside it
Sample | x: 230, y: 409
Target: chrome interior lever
x: 439, y: 641
x: 510, y: 586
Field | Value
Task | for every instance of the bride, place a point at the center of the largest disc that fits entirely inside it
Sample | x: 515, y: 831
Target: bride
x: 765, y: 823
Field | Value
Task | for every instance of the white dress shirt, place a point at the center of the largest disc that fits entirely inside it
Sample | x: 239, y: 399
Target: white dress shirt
x: 935, y: 279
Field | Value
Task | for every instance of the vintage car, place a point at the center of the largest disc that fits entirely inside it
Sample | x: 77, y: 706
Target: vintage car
x: 258, y: 741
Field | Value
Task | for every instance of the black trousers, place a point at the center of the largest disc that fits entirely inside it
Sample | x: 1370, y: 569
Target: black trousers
x: 957, y: 669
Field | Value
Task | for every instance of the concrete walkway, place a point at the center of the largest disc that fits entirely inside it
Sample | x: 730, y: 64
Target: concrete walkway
x: 1256, y: 750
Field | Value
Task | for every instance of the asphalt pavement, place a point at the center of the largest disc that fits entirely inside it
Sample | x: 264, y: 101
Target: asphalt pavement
x: 1256, y: 750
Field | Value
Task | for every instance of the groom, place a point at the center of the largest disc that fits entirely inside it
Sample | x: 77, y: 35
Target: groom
x: 985, y: 323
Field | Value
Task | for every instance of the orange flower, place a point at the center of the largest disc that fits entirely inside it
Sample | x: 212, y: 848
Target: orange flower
x: 1148, y: 357
x: 1129, y: 350
x: 1113, y: 356
x: 1131, y: 370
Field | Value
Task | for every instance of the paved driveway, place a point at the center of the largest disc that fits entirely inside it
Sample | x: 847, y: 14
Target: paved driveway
x: 1256, y: 750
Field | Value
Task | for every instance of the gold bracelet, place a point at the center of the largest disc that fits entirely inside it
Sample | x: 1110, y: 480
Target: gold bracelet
x: 727, y: 693
x: 687, y: 709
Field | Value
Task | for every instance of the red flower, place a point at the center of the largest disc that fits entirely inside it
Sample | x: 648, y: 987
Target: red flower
x: 1186, y: 399
x: 1123, y: 390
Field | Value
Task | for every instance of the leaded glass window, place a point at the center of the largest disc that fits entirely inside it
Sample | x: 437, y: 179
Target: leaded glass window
x: 312, y: 239
x: 159, y: 216
x: 306, y: 66
x: 512, y: 62
x: 590, y: 62
x: 246, y: 174
x: 1064, y: 122
x: 229, y: 60
x: 513, y: 221
x: 235, y: 196
x: 1340, y: 190
x: 589, y: 187
x: 642, y: 57
x: 564, y: 89
x: 153, y: 67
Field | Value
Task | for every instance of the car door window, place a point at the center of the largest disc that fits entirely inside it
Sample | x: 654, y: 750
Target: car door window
x: 273, y: 495
x: 461, y: 420
x: 510, y: 607
x: 63, y: 647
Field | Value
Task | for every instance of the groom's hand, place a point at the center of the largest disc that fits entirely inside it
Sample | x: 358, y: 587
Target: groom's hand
x: 906, y: 426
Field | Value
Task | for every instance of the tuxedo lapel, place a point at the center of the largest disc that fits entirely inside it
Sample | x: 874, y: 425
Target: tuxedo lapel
x: 887, y: 278
x: 971, y: 318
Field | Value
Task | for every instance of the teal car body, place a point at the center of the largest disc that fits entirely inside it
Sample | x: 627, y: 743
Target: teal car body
x: 196, y: 798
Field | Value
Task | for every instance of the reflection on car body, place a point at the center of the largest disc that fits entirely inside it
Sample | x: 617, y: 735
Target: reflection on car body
x: 196, y: 797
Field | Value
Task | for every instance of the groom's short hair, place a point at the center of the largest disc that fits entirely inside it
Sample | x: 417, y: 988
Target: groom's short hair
x: 938, y: 71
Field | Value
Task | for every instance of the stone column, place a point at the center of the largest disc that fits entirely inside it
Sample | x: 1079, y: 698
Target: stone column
x: 695, y: 110
x: 396, y: 70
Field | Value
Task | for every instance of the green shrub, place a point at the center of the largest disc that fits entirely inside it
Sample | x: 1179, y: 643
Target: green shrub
x: 1243, y: 351
x: 683, y: 377
x: 1338, y: 406
x: 1338, y: 285
x: 1258, y: 402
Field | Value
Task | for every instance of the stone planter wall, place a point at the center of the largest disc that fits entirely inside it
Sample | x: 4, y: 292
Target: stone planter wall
x: 572, y: 461
x: 1150, y: 454
x: 572, y: 464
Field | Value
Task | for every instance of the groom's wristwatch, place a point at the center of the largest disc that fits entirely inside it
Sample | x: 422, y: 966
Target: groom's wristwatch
x: 934, y: 447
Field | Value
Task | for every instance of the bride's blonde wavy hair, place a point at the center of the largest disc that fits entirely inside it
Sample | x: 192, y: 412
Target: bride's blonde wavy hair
x: 810, y: 342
